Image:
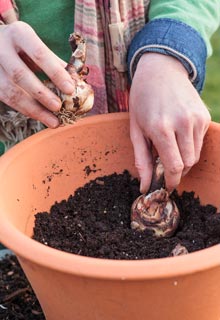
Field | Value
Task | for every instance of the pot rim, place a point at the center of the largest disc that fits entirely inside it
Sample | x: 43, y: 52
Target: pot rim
x: 30, y: 250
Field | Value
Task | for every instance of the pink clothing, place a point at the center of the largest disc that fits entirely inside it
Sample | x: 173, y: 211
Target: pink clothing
x: 108, y: 34
x: 5, y: 5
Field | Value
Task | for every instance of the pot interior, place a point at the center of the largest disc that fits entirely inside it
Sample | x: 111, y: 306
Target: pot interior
x: 52, y: 164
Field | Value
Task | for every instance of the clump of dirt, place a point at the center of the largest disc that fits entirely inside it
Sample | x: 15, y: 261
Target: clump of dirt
x: 95, y: 222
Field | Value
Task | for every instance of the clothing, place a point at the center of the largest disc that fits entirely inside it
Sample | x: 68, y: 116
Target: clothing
x: 167, y: 36
x: 169, y: 32
x: 117, y: 23
x: 202, y: 15
x: 42, y: 16
x: 5, y: 5
x: 114, y: 28
x: 151, y: 36
x: 109, y: 26
x: 8, y: 11
x: 53, y: 21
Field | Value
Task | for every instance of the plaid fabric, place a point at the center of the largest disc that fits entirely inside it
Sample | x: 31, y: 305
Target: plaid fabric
x: 8, y: 11
x: 108, y: 27
x: 5, y: 5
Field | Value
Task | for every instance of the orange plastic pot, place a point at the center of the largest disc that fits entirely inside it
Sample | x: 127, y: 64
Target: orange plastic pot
x: 48, y: 167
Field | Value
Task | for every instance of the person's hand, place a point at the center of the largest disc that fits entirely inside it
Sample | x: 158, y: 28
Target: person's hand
x: 19, y: 87
x: 166, y: 112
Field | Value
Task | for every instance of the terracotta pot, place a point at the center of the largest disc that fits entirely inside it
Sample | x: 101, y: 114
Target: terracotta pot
x: 48, y: 167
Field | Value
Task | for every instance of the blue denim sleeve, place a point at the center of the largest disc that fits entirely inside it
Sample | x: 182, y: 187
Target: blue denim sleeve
x: 174, y: 38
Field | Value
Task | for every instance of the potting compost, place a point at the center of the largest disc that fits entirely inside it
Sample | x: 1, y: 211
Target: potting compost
x: 95, y: 222
x: 17, y: 299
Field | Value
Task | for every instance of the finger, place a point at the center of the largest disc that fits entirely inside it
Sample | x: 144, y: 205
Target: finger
x: 32, y: 65
x: 185, y: 141
x: 29, y: 63
x: 199, y: 132
x: 22, y: 76
x: 19, y: 100
x: 143, y: 156
x: 168, y: 150
x: 42, y: 56
x: 198, y: 135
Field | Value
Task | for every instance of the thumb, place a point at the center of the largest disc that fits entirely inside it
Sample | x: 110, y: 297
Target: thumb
x: 143, y: 156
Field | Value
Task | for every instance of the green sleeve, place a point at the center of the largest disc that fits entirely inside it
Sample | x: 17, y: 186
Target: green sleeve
x: 202, y: 15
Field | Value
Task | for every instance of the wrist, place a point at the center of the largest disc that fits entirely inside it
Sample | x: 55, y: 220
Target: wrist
x: 152, y: 62
x: 171, y: 38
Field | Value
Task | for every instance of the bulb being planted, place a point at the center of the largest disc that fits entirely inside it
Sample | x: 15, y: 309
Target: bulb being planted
x: 155, y: 211
x: 82, y: 99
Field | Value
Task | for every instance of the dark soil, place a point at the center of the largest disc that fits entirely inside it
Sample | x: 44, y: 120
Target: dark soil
x: 95, y: 222
x: 17, y: 299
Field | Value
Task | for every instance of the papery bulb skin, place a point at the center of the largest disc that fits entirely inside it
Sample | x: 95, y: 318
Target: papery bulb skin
x: 179, y: 250
x: 157, y: 212
x: 81, y: 100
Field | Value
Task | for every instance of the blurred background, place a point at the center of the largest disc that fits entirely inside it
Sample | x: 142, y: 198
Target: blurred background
x: 211, y: 91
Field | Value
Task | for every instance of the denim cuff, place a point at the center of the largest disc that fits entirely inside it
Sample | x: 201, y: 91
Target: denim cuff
x: 174, y: 38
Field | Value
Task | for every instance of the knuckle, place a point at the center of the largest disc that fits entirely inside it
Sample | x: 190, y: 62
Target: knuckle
x: 205, y: 117
x: 31, y: 112
x: 17, y: 74
x: 11, y: 28
x: 138, y: 165
x: 189, y: 162
x: 12, y: 96
x: 162, y: 127
x: 185, y: 121
x: 17, y: 28
x: 39, y: 53
x: 44, y: 96
x: 57, y: 75
x: 40, y: 95
x: 34, y: 114
x: 176, y: 169
x: 26, y: 113
x: 39, y: 114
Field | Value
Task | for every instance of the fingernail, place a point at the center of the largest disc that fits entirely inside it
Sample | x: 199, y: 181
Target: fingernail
x: 55, y: 105
x: 52, y: 122
x: 68, y: 87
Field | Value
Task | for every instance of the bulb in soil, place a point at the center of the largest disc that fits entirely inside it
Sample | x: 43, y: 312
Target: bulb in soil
x: 155, y: 211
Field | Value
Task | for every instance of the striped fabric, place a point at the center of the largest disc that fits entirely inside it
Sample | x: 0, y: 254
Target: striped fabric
x: 108, y: 27
x: 5, y: 5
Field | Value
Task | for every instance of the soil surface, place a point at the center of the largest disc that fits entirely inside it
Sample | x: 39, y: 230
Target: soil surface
x: 95, y: 222
x: 17, y: 299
